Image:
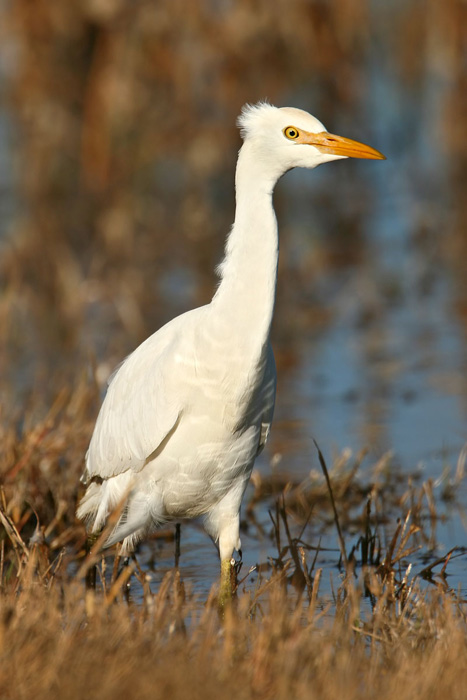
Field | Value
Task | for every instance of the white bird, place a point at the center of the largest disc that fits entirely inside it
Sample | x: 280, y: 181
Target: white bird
x: 190, y: 409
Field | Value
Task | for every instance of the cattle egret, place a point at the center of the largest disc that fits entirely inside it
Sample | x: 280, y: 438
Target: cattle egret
x: 190, y: 409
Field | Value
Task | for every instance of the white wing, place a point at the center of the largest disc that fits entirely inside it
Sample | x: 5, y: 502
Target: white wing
x: 268, y: 398
x: 141, y: 408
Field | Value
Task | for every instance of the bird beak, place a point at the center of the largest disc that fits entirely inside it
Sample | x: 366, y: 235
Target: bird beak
x: 339, y: 146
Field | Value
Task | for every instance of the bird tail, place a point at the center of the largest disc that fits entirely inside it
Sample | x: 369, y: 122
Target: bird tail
x: 89, y: 505
x: 103, y: 498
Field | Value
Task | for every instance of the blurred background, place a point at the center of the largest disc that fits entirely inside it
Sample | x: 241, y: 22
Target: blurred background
x: 117, y: 153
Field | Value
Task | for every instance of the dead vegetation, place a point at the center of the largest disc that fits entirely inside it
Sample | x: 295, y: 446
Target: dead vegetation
x: 384, y: 627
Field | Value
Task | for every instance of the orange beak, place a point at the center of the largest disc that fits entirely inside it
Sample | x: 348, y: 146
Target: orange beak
x: 339, y: 146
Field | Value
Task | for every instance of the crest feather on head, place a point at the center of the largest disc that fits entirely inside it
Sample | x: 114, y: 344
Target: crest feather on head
x: 253, y: 116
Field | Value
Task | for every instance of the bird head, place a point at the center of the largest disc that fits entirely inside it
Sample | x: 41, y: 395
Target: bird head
x: 284, y: 138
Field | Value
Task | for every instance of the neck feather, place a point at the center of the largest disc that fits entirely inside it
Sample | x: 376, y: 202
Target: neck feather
x: 246, y: 293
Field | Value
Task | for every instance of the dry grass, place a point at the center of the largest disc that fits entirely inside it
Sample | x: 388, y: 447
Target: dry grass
x: 382, y: 631
x: 56, y: 642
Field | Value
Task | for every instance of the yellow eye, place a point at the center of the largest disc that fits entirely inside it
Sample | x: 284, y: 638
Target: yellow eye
x: 291, y: 132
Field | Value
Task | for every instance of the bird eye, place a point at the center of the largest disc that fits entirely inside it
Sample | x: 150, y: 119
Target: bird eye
x: 291, y: 132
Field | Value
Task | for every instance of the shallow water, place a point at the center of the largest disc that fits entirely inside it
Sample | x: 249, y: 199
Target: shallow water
x: 370, y: 326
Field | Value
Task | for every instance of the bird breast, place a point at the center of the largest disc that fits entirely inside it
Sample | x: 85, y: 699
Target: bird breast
x: 221, y: 373
x: 220, y: 429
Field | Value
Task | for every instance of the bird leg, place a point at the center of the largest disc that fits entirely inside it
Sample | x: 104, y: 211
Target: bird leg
x: 126, y: 590
x: 179, y: 585
x: 177, y: 544
x: 91, y: 573
x: 230, y: 569
x: 225, y: 589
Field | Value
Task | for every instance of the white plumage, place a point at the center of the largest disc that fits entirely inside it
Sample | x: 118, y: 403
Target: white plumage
x: 188, y: 412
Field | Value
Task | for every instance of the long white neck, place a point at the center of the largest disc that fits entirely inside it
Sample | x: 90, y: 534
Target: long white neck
x: 245, y: 297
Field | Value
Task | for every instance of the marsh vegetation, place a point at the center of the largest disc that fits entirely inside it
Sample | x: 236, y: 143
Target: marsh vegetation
x: 379, y: 617
x: 116, y: 190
